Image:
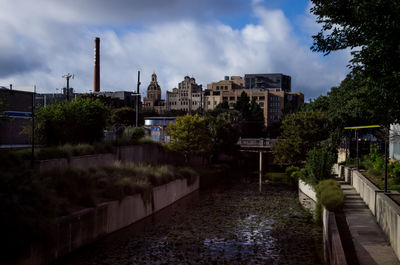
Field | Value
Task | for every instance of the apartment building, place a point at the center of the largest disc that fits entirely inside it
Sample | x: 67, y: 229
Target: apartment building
x: 187, y: 97
x: 274, y: 102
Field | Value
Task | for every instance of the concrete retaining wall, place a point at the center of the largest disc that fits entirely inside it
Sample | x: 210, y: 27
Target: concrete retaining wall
x: 385, y: 210
x: 365, y: 188
x: 85, y: 226
x: 307, y: 190
x: 333, y: 248
x: 146, y: 153
x: 388, y: 217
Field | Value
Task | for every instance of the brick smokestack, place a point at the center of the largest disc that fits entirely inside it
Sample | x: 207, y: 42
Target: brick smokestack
x: 96, y: 83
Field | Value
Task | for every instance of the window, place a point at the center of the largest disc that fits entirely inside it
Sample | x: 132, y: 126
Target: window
x: 231, y: 98
x: 225, y: 98
x: 226, y: 87
x: 261, y: 104
x: 217, y: 87
x: 262, y: 98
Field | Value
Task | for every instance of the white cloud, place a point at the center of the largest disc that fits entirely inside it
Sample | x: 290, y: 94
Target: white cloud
x: 173, y: 49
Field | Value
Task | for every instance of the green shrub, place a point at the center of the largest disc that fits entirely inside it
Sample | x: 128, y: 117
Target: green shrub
x: 148, y: 140
x: 394, y: 171
x: 319, y: 165
x: 290, y: 169
x: 329, y: 195
x: 299, y: 174
x: 332, y: 198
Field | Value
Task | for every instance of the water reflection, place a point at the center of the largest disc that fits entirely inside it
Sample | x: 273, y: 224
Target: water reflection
x: 237, y: 225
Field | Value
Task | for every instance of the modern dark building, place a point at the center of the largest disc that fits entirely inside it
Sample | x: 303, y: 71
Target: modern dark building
x: 272, y: 82
x: 117, y: 99
x: 18, y: 112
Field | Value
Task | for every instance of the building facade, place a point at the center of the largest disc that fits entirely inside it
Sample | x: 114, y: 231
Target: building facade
x: 116, y: 99
x: 272, y: 82
x: 215, y: 91
x: 273, y: 102
x: 187, y: 97
x: 18, y: 111
x: 153, y: 99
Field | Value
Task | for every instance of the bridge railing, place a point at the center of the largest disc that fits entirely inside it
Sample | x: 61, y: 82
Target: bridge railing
x: 256, y: 142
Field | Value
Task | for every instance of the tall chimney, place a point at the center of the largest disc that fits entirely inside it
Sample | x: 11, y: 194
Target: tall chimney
x: 96, y: 83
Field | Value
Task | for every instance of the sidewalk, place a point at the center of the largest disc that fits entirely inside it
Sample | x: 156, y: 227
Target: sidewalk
x: 370, y: 243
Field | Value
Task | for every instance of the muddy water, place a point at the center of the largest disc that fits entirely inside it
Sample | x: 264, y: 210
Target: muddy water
x: 235, y: 225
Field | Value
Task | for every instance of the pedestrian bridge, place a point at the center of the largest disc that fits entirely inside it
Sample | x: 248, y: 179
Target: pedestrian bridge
x: 256, y: 144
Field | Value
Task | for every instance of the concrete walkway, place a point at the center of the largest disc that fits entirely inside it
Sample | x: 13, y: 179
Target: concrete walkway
x: 370, y: 243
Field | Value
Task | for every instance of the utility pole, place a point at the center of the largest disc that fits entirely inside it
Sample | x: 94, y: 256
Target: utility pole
x: 33, y: 127
x: 137, y: 99
x: 68, y: 76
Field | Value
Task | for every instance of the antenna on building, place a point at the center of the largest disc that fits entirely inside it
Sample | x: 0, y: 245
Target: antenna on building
x: 68, y: 76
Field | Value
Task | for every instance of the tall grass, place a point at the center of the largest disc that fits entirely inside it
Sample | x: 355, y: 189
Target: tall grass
x: 31, y: 201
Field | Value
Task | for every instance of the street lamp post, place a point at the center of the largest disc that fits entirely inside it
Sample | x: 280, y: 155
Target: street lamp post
x: 137, y: 99
x: 33, y: 128
x: 356, y: 128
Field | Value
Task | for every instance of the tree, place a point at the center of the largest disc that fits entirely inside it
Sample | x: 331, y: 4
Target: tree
x: 252, y: 114
x: 242, y: 105
x: 79, y: 120
x: 301, y: 132
x: 350, y: 104
x: 189, y: 136
x: 372, y: 30
x: 255, y: 120
x: 224, y: 131
x: 123, y: 116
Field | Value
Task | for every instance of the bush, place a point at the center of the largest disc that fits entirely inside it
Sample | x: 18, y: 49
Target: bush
x: 394, y: 171
x: 293, y: 173
x: 289, y: 170
x: 319, y: 165
x: 332, y: 198
x: 137, y: 133
x: 329, y: 195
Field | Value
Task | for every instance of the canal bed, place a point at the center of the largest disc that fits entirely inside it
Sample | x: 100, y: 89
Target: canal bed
x: 234, y: 225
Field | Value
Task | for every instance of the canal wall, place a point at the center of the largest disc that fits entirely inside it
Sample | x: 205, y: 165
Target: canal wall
x: 88, y: 225
x: 385, y: 210
x: 333, y: 248
x: 145, y: 153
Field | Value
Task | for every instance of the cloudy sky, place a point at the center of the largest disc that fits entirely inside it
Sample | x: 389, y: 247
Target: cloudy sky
x: 208, y: 39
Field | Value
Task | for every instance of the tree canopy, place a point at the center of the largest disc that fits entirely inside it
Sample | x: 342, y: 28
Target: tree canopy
x: 301, y: 132
x: 224, y: 130
x: 76, y: 121
x: 252, y: 114
x: 189, y: 136
x: 372, y: 30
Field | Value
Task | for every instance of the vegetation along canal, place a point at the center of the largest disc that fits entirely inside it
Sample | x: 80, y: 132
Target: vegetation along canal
x: 230, y: 225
